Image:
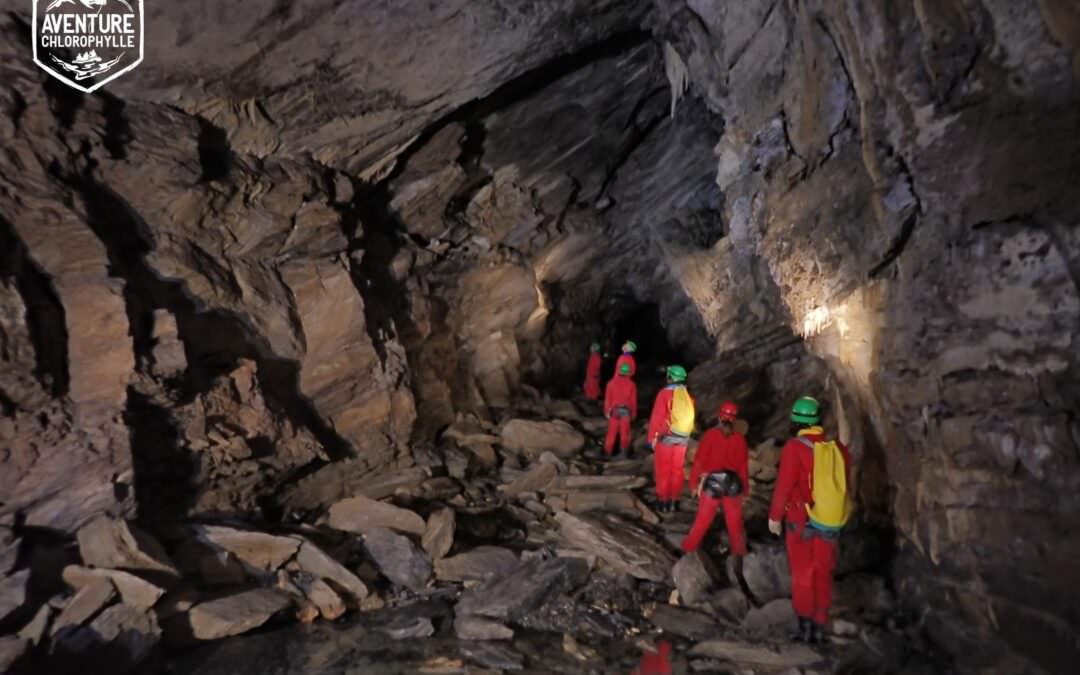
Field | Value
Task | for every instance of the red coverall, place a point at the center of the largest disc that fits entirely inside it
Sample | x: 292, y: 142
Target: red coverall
x: 719, y: 452
x: 621, y: 392
x: 592, y: 377
x: 626, y: 357
x: 811, y: 556
x: 669, y: 460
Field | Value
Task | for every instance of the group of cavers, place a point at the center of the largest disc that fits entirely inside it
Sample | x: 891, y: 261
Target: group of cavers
x: 810, y: 502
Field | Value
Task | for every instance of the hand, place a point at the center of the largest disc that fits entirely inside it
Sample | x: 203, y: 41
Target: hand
x: 697, y: 490
x: 775, y: 528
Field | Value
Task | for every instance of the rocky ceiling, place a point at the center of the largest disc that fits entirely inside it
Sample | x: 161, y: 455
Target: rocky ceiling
x: 302, y: 237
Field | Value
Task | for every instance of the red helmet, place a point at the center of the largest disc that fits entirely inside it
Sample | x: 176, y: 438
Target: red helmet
x: 728, y: 411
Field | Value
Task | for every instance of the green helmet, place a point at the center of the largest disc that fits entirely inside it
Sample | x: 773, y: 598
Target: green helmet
x: 806, y: 411
x: 629, y: 346
x: 676, y: 373
x: 595, y: 347
x: 625, y: 369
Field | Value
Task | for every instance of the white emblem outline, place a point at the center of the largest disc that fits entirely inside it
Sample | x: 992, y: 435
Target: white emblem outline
x: 97, y: 85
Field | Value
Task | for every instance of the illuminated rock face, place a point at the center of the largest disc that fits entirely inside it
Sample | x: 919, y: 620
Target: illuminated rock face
x: 248, y: 264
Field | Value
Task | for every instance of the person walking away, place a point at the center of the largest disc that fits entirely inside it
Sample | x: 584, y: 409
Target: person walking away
x: 592, y: 373
x: 620, y: 408
x: 627, y: 356
x: 670, y: 426
x: 812, y: 498
x: 721, y: 449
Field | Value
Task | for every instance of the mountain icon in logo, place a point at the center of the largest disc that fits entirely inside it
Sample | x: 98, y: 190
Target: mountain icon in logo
x: 87, y: 43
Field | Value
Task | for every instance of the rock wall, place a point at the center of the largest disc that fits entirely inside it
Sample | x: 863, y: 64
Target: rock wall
x: 900, y: 169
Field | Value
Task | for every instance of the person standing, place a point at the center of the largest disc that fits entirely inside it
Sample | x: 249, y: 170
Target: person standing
x: 812, y: 499
x: 620, y: 408
x: 670, y: 426
x: 592, y: 373
x: 721, y: 449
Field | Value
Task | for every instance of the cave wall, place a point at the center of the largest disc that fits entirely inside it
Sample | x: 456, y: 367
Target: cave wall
x: 902, y: 171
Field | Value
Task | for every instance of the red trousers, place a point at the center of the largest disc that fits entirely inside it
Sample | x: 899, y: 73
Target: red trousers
x: 617, y: 427
x: 706, y: 511
x: 812, y: 561
x: 668, y: 469
x: 592, y: 388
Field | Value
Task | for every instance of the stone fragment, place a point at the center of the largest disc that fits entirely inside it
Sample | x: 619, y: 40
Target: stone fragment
x: 623, y: 503
x: 114, y: 544
x: 475, y: 628
x: 757, y: 655
x: 134, y: 591
x: 168, y: 355
x: 178, y: 600
x: 258, y: 551
x: 323, y: 597
x: 571, y: 483
x: 439, y: 534
x: 361, y: 514
x: 765, y: 620
x: 619, y: 543
x: 694, y: 576
x: 525, y: 588
x: 12, y: 647
x: 133, y: 631
x: 533, y: 438
x: 684, y: 622
x: 9, y: 551
x: 235, y: 614
x: 729, y: 605
x: 397, y: 558
x: 86, y: 602
x: 13, y: 592
x: 315, y: 561
x: 765, y: 570
x: 576, y: 649
x: 535, y: 479
x: 403, y: 629
x: 480, y: 564
x: 34, y: 631
x: 500, y: 657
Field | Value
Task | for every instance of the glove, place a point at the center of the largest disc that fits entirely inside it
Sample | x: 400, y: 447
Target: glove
x: 775, y: 527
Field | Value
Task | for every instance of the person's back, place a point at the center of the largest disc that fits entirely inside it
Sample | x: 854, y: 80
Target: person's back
x: 721, y: 449
x: 718, y: 451
x: 620, y: 408
x: 670, y: 426
x: 592, y: 373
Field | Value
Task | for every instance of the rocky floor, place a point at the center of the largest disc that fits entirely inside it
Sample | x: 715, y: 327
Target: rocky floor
x: 509, y: 546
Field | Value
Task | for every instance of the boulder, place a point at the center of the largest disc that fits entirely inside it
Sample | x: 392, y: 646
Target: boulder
x: 480, y: 564
x: 397, y: 558
x: 258, y: 551
x: 765, y: 570
x: 13, y: 592
x: 533, y: 438
x: 766, y: 620
x: 235, y: 614
x: 315, y: 561
x: 757, y: 655
x: 535, y: 479
x: 361, y: 514
x: 114, y: 544
x: 524, y: 589
x: 729, y: 605
x: 134, y: 591
x: 684, y: 622
x: 619, y: 543
x: 475, y: 628
x: 439, y: 534
x: 87, y: 601
x: 694, y: 576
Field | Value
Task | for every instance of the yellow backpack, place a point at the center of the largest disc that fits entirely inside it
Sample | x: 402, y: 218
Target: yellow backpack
x: 831, y: 504
x: 682, y: 412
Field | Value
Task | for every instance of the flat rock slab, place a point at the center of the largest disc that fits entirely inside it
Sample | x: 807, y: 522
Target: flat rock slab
x: 34, y: 631
x: 533, y: 438
x: 397, y: 558
x: 114, y: 544
x: 620, y: 543
x: 756, y: 655
x: 571, y: 483
x: 439, y: 534
x: 133, y: 590
x: 766, y: 572
x: 361, y: 515
x: 235, y: 614
x: 536, y: 479
x: 12, y: 648
x: 498, y: 657
x: 134, y: 631
x: 729, y: 605
x: 317, y: 562
x: 87, y: 602
x: 684, y: 622
x: 524, y: 589
x: 772, y: 618
x: 416, y: 627
x: 9, y: 551
x: 476, y: 628
x: 257, y: 550
x: 694, y: 576
x: 325, y: 598
x: 13, y: 592
x: 480, y: 564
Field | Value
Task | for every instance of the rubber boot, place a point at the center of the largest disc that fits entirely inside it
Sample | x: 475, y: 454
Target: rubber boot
x: 804, y: 632
x: 817, y: 634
